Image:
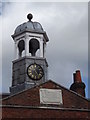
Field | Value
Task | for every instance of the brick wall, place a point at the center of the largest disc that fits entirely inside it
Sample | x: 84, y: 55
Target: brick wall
x: 43, y: 113
x: 31, y: 97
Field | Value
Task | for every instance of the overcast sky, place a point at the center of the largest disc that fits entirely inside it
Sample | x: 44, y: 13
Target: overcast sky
x: 66, y: 25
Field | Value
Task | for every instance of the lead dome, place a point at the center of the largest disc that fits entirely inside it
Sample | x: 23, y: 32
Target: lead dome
x: 29, y: 26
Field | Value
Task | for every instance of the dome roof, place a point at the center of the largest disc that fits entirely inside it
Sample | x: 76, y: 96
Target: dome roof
x: 29, y: 26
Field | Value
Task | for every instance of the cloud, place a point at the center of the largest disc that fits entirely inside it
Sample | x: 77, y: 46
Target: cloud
x: 0, y: 53
x: 67, y: 27
x: 0, y: 8
x: 45, y: 1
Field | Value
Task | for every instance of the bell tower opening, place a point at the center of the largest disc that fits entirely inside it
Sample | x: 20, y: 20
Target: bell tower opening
x: 21, y: 47
x: 33, y: 46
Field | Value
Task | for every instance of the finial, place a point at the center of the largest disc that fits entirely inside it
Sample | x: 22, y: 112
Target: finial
x: 29, y: 16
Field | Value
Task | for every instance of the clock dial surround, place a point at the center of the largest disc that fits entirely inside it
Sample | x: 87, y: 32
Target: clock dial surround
x: 35, y: 71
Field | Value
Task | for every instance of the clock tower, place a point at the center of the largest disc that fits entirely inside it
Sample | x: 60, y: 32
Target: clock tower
x: 30, y: 66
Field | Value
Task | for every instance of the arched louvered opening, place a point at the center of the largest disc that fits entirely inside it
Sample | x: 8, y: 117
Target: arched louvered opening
x: 34, y: 46
x: 21, y: 47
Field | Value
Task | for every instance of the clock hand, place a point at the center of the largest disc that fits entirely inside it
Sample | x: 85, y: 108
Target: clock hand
x: 36, y: 72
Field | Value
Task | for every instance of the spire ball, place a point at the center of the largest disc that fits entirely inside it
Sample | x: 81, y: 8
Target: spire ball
x: 29, y: 16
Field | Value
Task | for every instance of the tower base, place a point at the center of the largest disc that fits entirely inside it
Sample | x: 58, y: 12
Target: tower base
x: 21, y: 87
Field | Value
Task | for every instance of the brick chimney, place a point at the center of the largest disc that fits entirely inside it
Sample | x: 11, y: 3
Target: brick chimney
x: 78, y: 86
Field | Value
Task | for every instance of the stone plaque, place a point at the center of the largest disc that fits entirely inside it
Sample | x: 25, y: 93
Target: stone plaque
x: 50, y: 96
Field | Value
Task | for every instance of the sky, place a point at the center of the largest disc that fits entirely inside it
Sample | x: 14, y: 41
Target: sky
x: 66, y: 24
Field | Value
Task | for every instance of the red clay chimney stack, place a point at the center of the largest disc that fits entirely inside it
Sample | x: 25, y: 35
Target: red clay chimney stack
x: 78, y: 86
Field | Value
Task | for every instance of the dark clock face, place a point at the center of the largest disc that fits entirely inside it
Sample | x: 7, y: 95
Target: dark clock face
x: 35, y: 71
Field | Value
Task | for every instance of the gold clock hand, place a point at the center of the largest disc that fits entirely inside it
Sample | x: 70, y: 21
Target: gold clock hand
x: 36, y: 72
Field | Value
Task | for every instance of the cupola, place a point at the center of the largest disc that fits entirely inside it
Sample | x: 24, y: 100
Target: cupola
x: 29, y: 38
x: 30, y: 65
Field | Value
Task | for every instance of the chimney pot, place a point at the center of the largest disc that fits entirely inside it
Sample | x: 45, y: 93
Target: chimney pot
x: 78, y: 76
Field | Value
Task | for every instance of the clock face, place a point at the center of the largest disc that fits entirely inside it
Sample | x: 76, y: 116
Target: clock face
x: 35, y: 71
